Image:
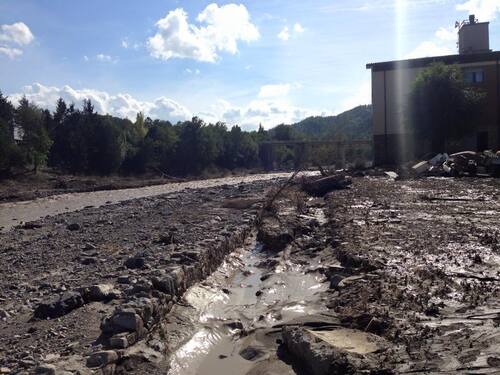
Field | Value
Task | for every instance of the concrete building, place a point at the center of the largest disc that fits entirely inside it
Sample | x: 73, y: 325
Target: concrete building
x: 391, y: 85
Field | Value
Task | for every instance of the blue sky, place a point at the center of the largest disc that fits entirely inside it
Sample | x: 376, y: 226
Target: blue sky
x: 245, y: 62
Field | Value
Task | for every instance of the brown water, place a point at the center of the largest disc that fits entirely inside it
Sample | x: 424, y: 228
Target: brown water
x: 235, y: 309
x: 15, y: 213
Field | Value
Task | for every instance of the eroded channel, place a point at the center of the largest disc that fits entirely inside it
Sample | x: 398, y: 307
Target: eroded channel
x: 235, y: 315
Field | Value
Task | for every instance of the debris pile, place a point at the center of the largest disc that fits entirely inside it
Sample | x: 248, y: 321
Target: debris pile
x: 465, y: 163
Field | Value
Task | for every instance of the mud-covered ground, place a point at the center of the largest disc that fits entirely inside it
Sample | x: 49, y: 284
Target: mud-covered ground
x: 123, y: 246
x: 426, y: 273
x: 29, y: 185
x: 384, y: 277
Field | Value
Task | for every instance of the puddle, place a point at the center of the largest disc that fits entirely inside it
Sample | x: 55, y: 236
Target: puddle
x: 236, y: 308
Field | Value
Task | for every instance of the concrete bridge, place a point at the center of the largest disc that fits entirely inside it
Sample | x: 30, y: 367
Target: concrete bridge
x: 315, y: 151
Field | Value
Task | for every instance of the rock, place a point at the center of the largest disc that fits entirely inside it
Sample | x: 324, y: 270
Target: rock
x: 73, y: 226
x: 102, y: 358
x: 5, y: 370
x: 124, y: 279
x: 123, y: 321
x: 135, y: 262
x: 4, y: 315
x: 46, y: 369
x: 273, y: 235
x: 339, y: 351
x: 251, y: 353
x: 335, y: 281
x: 166, y: 284
x: 392, y: 175
x: 88, y: 260
x: 123, y: 340
x: 59, y: 306
x: 31, y: 225
x: 100, y: 292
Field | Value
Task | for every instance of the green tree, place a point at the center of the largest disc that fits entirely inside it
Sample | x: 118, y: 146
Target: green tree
x: 441, y: 107
x: 35, y: 138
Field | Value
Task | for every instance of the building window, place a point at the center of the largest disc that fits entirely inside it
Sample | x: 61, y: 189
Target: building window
x: 474, y: 76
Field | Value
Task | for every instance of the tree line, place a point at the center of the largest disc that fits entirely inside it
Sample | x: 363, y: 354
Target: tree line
x: 82, y: 141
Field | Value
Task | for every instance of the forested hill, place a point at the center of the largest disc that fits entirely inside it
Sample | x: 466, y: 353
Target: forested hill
x: 352, y: 124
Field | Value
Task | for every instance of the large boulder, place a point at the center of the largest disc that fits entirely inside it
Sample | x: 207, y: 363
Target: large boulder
x: 126, y: 320
x: 59, y: 306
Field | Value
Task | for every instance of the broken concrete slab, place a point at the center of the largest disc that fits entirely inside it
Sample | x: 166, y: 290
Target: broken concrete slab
x: 339, y: 351
x: 421, y: 167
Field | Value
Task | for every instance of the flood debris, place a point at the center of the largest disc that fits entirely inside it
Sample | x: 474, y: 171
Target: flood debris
x: 320, y: 186
x: 464, y: 163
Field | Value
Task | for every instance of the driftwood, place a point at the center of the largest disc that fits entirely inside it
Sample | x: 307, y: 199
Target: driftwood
x: 321, y: 186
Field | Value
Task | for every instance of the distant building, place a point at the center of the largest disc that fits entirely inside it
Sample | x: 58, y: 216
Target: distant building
x: 391, y: 85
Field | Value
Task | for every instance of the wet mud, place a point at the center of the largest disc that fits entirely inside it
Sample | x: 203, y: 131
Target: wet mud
x: 235, y: 312
x: 385, y: 277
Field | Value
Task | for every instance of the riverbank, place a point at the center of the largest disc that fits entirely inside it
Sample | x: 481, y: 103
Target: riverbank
x: 28, y: 186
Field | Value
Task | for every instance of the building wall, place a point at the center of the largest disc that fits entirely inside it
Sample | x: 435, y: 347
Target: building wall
x: 474, y: 38
x: 390, y: 90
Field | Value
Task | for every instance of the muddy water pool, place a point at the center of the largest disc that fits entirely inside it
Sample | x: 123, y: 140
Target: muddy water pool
x: 233, y: 313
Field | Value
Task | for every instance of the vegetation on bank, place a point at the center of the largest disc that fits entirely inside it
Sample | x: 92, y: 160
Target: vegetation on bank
x: 81, y: 141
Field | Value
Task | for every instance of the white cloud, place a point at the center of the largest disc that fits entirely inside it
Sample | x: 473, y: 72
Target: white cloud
x: 10, y: 52
x: 85, y: 58
x: 127, y: 44
x: 298, y: 28
x: 122, y: 105
x: 378, y: 5
x: 446, y: 34
x: 268, y: 111
x: 273, y: 91
x: 484, y: 10
x: 428, y: 49
x: 106, y: 58
x: 191, y: 71
x: 284, y: 34
x: 362, y: 95
x: 17, y: 33
x: 220, y: 30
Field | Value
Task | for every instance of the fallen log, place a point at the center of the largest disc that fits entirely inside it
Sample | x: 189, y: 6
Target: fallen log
x: 320, y: 187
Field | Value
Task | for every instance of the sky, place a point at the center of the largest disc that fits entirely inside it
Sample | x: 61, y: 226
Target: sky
x: 247, y: 63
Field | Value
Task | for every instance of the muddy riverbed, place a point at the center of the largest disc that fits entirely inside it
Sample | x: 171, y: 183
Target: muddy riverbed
x: 17, y: 213
x: 386, y: 277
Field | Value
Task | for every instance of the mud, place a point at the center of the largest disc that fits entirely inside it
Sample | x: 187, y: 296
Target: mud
x: 386, y: 277
x: 235, y: 311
